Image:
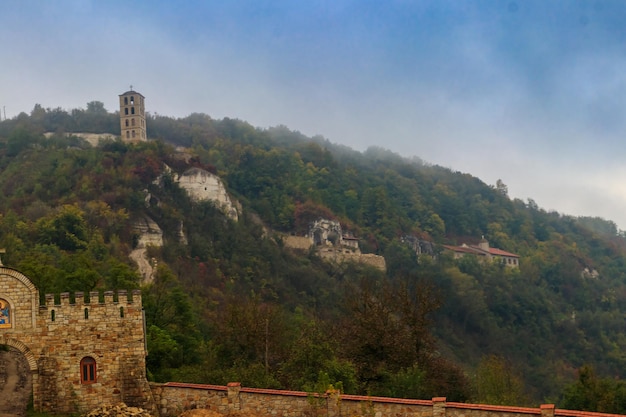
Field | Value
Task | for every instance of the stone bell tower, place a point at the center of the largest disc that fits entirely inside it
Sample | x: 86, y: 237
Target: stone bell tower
x: 132, y: 116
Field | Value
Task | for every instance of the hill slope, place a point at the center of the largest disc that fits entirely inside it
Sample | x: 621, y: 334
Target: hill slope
x: 233, y: 303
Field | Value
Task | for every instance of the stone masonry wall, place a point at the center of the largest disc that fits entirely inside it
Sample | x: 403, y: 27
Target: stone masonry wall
x: 55, y: 337
x: 341, y: 256
x: 174, y: 398
x: 298, y: 242
x: 338, y: 255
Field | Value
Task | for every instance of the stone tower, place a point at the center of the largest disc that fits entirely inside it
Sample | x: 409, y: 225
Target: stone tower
x: 132, y: 116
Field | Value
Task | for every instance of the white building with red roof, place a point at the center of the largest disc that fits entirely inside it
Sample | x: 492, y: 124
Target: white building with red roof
x: 484, y: 252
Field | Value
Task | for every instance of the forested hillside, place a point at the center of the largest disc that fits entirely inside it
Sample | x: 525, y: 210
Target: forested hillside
x: 233, y: 303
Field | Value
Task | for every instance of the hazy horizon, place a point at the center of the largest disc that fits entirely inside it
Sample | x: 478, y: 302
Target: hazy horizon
x: 530, y: 92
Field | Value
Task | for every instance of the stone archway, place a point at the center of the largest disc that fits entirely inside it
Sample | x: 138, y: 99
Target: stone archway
x: 16, y: 382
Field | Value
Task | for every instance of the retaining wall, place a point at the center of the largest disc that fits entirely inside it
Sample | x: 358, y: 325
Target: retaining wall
x: 173, y: 398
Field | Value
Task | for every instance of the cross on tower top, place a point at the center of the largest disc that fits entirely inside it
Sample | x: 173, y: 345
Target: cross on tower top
x: 131, y: 87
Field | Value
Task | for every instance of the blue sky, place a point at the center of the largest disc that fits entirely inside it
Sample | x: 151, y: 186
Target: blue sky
x: 532, y: 92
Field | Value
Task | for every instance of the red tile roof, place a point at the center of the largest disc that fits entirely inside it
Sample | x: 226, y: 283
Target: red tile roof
x: 475, y: 250
x: 500, y: 252
x: 466, y: 249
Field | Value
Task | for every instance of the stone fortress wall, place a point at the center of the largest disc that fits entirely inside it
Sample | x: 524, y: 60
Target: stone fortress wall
x: 342, y: 256
x: 336, y: 255
x: 86, y: 352
x: 81, y: 353
x: 332, y: 245
x: 173, y: 398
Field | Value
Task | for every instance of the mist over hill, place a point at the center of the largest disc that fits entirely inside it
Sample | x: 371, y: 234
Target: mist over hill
x: 233, y: 302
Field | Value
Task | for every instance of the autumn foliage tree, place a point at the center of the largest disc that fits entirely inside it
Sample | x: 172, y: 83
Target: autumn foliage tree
x: 233, y: 303
x: 308, y: 212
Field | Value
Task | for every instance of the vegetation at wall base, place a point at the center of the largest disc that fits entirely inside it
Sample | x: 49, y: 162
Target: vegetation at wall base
x: 234, y: 303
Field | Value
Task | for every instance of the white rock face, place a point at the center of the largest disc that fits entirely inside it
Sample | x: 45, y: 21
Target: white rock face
x: 201, y: 185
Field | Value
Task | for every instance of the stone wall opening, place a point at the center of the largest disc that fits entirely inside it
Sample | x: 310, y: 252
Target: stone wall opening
x: 16, y: 382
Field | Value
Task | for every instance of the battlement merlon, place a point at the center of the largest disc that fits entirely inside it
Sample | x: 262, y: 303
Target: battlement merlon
x: 99, y: 306
x: 122, y: 300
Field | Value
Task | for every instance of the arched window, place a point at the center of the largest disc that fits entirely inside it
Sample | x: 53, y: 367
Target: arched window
x: 132, y: 122
x: 126, y: 122
x: 126, y: 110
x: 132, y: 110
x: 126, y: 100
x: 88, y: 370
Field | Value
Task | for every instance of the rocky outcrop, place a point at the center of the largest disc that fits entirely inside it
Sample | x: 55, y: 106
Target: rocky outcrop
x: 326, y: 232
x: 589, y: 273
x: 201, y: 185
x: 419, y: 246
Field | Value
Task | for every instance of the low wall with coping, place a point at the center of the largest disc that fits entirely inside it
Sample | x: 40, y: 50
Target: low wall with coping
x: 173, y: 398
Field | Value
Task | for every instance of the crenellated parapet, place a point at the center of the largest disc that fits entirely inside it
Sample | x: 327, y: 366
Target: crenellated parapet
x: 109, y: 306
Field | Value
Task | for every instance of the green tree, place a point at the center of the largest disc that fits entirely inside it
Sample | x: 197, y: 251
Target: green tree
x: 313, y: 353
x: 591, y: 393
x: 387, y: 328
x: 497, y: 383
x: 20, y: 139
x: 502, y: 188
x: 66, y: 229
x: 169, y: 307
x: 96, y: 107
x: 163, y: 353
x: 435, y: 226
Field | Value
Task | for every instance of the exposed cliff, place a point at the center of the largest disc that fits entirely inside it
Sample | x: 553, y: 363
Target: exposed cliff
x: 201, y: 185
